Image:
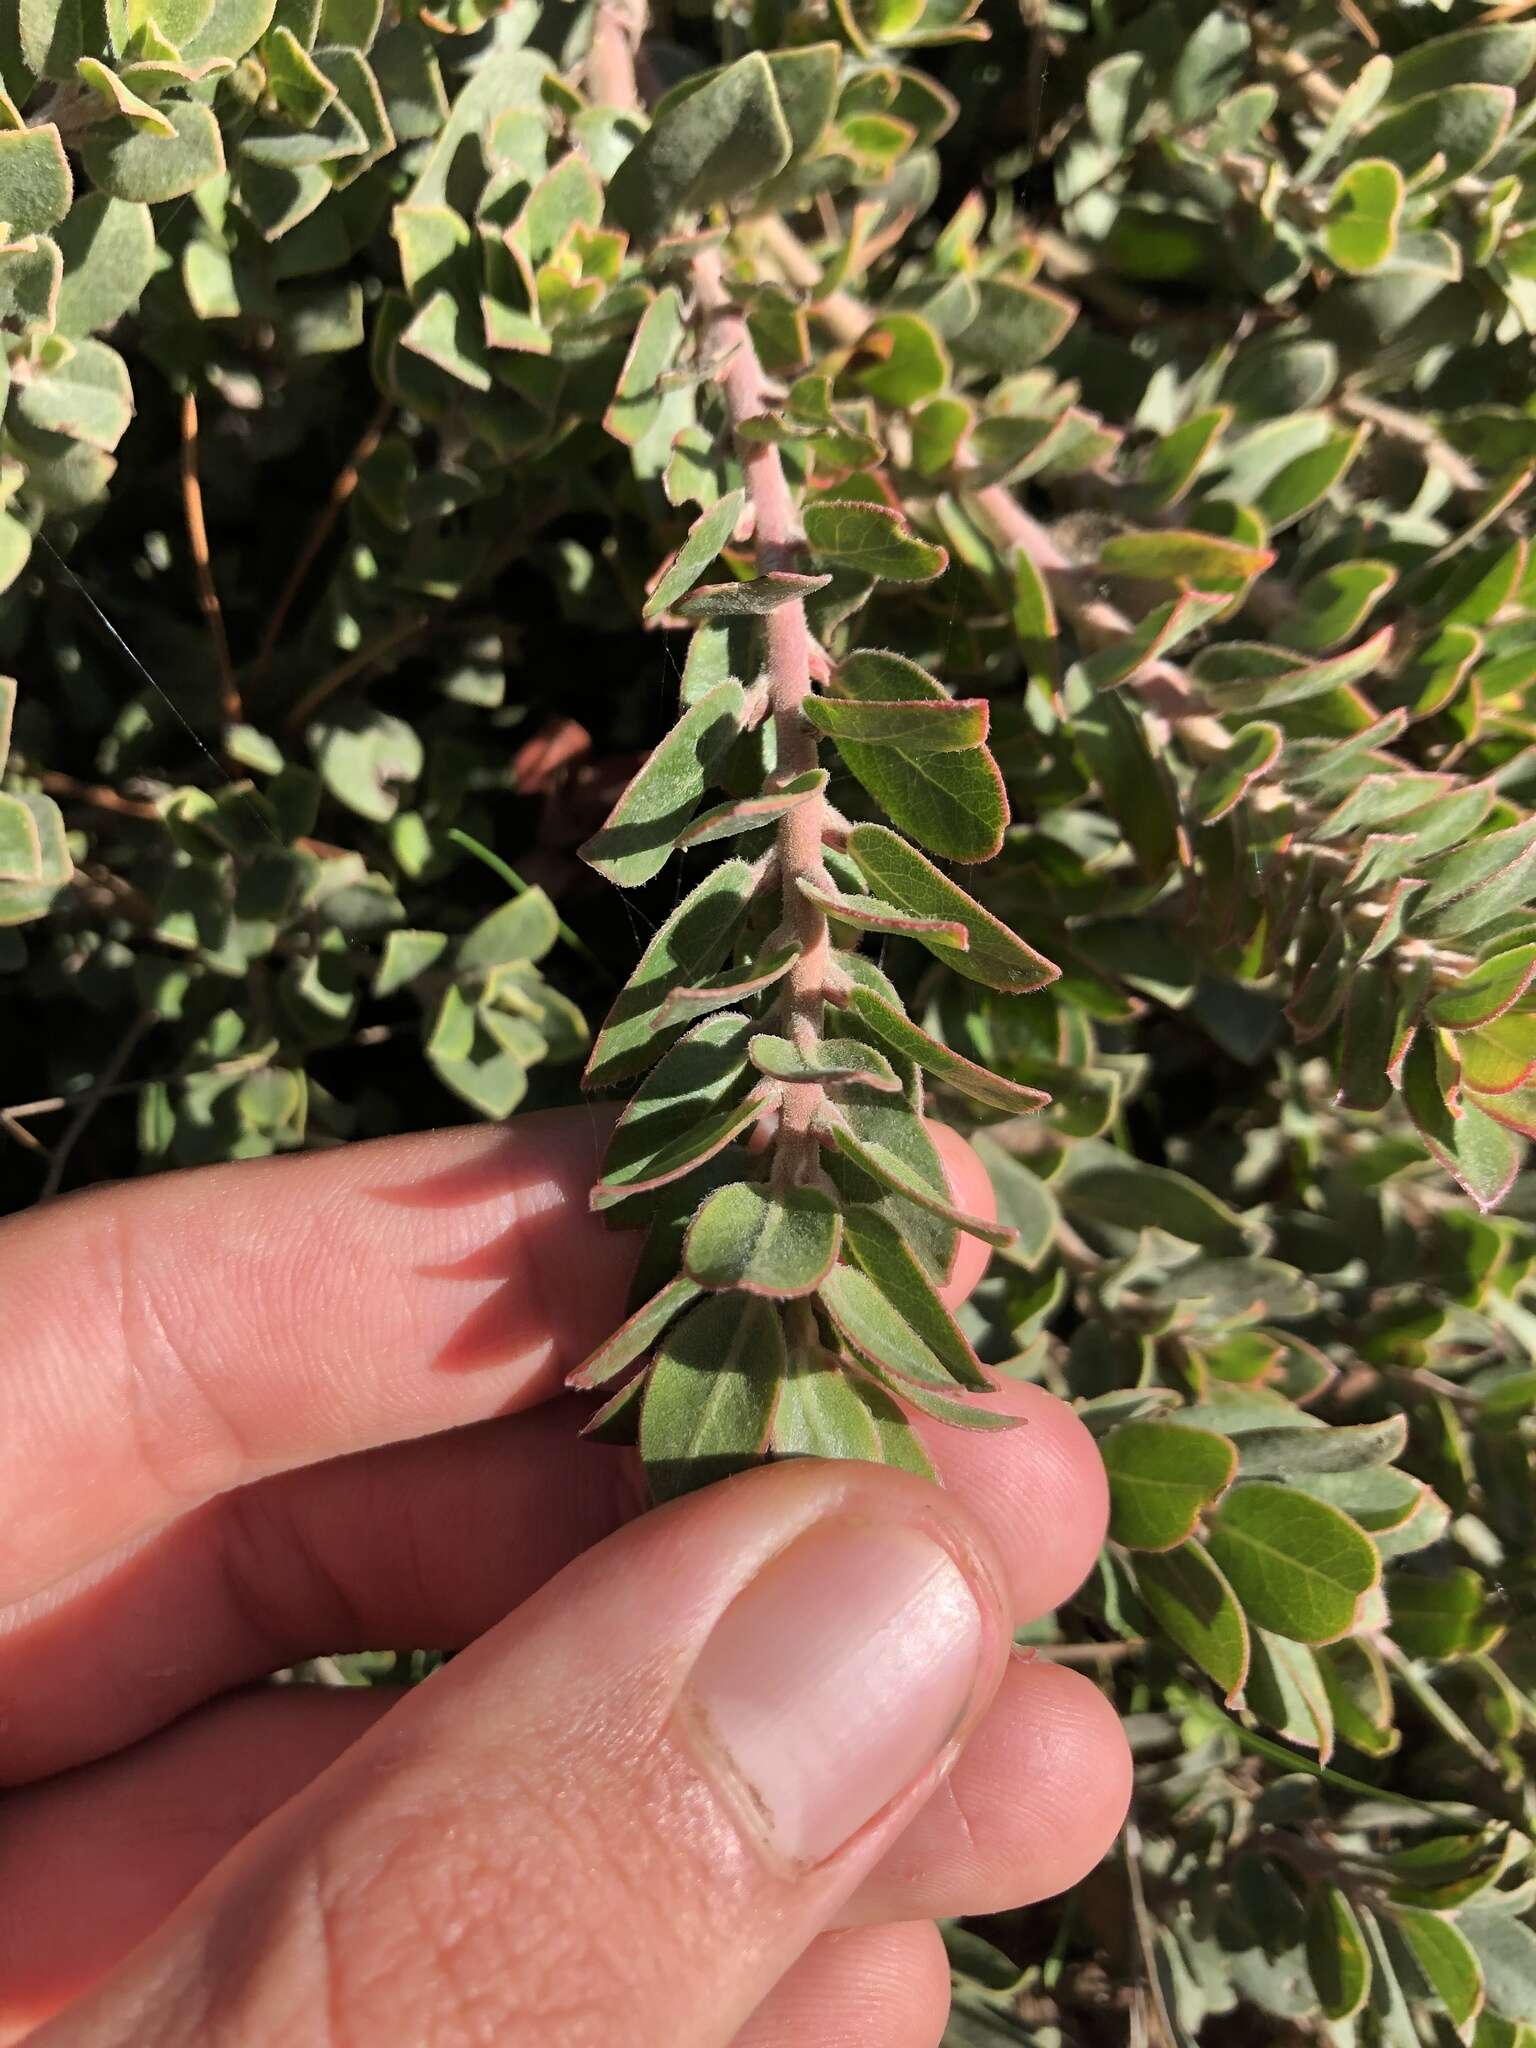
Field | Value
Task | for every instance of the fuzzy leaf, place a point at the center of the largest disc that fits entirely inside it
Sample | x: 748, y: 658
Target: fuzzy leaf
x: 1161, y: 1480
x: 108, y: 247
x: 762, y: 1240
x: 828, y: 1061
x: 1473, y: 1148
x: 1447, y: 1960
x: 901, y: 876
x: 752, y: 813
x: 749, y: 598
x: 877, y: 1330
x: 726, y: 137
x: 1106, y: 1187
x: 872, y: 539
x: 953, y: 803
x: 732, y: 984
x: 634, y: 1337
x: 1337, y: 1955
x: 939, y: 727
x: 1463, y: 124
x: 879, y: 1248
x: 1223, y: 783
x: 1195, y: 561
x: 1192, y: 1603
x: 1015, y: 325
x: 637, y: 839
x: 687, y: 946
x: 710, y: 1397
x: 706, y: 537
x: 893, y: 1172
x: 897, y: 1030
x: 869, y: 914
x: 36, y: 184
x: 1486, y: 991
x: 1366, y: 204
x: 129, y: 164
x: 1300, y: 1568
x: 822, y: 1413
x: 87, y: 396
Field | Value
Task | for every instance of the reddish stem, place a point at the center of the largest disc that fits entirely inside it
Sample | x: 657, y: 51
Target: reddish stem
x: 778, y: 540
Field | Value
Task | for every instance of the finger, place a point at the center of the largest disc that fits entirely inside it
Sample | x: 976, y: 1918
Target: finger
x: 874, y: 1987
x: 1034, y: 1803
x: 668, y: 1770
x: 91, y: 1863
x: 431, y: 1543
x: 239, y: 1320
x: 970, y: 1187
x: 242, y: 1320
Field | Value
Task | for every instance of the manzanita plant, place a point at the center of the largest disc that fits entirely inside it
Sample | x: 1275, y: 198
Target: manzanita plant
x: 1057, y: 479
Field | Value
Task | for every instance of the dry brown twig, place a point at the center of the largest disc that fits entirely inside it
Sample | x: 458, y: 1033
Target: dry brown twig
x: 197, y: 540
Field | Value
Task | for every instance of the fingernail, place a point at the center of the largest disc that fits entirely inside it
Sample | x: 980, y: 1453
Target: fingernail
x: 834, y: 1681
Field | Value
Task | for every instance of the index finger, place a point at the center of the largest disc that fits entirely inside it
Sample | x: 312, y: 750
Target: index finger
x: 170, y: 1339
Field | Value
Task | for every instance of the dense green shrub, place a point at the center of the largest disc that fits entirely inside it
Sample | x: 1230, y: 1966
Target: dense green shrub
x: 1114, y: 422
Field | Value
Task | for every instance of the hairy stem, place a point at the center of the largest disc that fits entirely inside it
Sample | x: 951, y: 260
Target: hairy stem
x: 788, y: 635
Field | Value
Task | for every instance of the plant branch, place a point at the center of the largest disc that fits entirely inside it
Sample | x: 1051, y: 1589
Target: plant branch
x: 341, y: 490
x: 98, y: 796
x: 378, y: 649
x: 91, y: 1101
x: 617, y: 26
x: 777, y: 540
x: 197, y: 539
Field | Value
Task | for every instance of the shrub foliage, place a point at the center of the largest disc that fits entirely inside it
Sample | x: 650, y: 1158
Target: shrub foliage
x: 1005, y: 535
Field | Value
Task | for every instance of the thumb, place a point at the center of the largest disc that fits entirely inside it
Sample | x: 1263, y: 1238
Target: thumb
x: 622, y: 1814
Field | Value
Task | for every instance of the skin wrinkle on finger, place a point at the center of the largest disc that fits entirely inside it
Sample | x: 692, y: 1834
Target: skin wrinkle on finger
x: 483, y: 1798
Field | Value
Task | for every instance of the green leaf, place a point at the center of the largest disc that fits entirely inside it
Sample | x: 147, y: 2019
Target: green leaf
x: 1366, y: 204
x: 732, y: 984
x: 923, y: 726
x: 1192, y: 1603
x: 1486, y: 991
x: 763, y: 1240
x: 1195, y: 561
x: 686, y: 947
x: 830, y: 1062
x: 36, y: 185
x: 893, y: 1172
x: 146, y: 169
x: 752, y: 813
x: 881, y: 1251
x: 823, y: 1414
x: 1359, y: 1695
x: 897, y: 1030
x: 86, y: 395
x: 1501, y: 54
x: 911, y: 364
x: 869, y: 914
x: 1023, y: 1200
x: 1463, y: 123
x: 706, y: 537
x: 1113, y: 738
x: 406, y: 956
x: 109, y: 87
x: 1223, y: 783
x: 1015, y: 325
x: 1102, y: 1186
x: 1243, y: 676
x: 1299, y: 1567
x: 637, y: 838
x: 1443, y: 1615
x: 1292, y: 1450
x: 710, y: 1398
x: 749, y: 598
x: 521, y: 930
x: 903, y: 877
x: 877, y: 1330
x: 363, y: 756
x: 1474, y: 883
x: 1337, y: 1955
x: 634, y: 1337
x: 955, y: 803
x: 1506, y: 1952
x: 725, y: 138
x: 1161, y: 1480
x: 1476, y: 1151
x: 108, y: 247
x: 1448, y: 1961
x: 873, y: 539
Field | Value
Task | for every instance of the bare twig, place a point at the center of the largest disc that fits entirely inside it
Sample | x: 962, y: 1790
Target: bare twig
x: 98, y: 796
x: 325, y: 523
x: 1419, y: 434
x: 197, y: 539
x: 90, y: 1102
x: 617, y: 26
x: 1079, y: 1654
x: 384, y: 644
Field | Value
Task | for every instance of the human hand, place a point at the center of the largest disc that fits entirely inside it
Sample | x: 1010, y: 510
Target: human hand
x: 704, y: 1776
